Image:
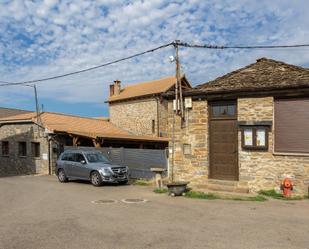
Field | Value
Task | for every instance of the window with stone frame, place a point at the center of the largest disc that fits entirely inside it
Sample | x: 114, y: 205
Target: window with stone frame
x: 22, y: 149
x: 35, y: 149
x: 5, y: 148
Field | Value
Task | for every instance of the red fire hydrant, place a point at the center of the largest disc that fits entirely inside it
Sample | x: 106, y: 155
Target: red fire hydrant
x: 287, y: 187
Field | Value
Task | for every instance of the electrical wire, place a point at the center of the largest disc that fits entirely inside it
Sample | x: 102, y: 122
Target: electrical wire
x: 174, y: 43
x: 87, y: 69
x: 188, y: 45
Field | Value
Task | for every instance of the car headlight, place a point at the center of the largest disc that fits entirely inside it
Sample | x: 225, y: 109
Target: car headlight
x: 105, y: 171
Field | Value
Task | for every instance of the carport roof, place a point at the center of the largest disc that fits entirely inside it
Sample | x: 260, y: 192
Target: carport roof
x: 80, y: 126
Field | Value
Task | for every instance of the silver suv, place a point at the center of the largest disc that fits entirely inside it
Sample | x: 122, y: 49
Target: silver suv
x: 89, y: 165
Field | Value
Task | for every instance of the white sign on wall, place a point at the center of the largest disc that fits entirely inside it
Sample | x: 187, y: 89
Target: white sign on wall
x: 45, y: 156
x: 248, y: 136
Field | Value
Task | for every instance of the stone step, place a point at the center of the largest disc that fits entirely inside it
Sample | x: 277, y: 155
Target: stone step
x: 218, y: 187
x: 224, y: 186
x: 222, y: 182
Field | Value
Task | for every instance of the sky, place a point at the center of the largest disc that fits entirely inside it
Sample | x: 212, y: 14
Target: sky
x: 39, y: 39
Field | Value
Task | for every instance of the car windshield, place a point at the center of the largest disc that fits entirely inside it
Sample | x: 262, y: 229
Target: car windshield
x: 96, y: 158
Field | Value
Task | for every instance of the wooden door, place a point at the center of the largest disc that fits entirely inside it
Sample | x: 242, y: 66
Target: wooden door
x: 223, y: 141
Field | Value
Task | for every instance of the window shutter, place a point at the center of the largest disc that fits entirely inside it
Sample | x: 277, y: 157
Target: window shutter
x: 292, y: 125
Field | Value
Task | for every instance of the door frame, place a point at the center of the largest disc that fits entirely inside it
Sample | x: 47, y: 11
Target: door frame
x: 210, y: 118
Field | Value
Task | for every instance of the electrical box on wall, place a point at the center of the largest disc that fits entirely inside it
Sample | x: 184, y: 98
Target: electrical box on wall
x: 174, y: 105
x: 188, y: 102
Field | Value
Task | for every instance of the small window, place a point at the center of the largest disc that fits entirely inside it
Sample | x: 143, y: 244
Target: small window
x: 153, y: 126
x: 219, y: 110
x: 22, y: 149
x: 187, y: 149
x: 35, y: 149
x: 255, y: 138
x: 5, y: 148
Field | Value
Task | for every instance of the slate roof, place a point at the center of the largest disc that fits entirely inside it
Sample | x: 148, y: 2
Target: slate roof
x: 88, y: 127
x: 146, y: 88
x: 264, y: 74
x: 7, y: 112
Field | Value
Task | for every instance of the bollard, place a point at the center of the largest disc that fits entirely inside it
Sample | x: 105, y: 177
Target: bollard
x: 158, y: 176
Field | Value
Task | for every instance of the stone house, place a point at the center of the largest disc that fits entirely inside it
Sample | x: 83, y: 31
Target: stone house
x: 31, y: 144
x: 140, y: 108
x: 246, y: 130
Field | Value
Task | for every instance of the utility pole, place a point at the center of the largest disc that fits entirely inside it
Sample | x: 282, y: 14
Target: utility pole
x: 179, y: 103
x: 36, y: 107
x: 178, y: 81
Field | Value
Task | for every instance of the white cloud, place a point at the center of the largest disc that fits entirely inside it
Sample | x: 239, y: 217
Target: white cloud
x: 46, y: 38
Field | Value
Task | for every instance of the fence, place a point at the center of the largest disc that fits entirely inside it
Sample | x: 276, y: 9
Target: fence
x: 139, y: 161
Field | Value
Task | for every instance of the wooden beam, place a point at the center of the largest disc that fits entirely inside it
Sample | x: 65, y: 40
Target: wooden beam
x: 75, y: 140
x: 97, y: 142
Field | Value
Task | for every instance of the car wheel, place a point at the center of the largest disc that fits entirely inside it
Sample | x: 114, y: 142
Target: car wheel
x: 62, y: 176
x: 96, y: 179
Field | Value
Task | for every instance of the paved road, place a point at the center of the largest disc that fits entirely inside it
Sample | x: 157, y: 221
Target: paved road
x: 38, y: 212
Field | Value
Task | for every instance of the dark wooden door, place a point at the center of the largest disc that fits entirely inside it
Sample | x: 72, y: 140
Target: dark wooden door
x: 223, y: 141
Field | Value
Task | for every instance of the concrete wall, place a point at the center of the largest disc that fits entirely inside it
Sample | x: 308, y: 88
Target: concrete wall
x: 136, y: 116
x: 14, y: 164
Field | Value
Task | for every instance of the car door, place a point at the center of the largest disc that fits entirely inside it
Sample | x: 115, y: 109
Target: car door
x: 80, y: 167
x: 69, y: 164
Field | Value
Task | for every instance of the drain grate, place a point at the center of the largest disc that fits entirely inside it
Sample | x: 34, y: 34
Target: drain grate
x: 107, y: 201
x: 134, y: 200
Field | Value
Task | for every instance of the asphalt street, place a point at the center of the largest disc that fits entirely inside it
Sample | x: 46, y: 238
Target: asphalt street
x: 38, y: 212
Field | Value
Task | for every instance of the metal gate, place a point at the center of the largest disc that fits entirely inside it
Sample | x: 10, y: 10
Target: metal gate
x: 139, y: 161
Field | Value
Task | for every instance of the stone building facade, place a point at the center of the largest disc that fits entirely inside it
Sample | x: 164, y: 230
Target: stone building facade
x: 31, y: 145
x: 257, y: 167
x: 267, y: 169
x: 141, y: 108
x: 15, y: 164
x: 144, y: 116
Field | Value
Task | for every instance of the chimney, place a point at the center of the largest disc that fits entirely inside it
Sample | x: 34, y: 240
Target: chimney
x: 115, y: 88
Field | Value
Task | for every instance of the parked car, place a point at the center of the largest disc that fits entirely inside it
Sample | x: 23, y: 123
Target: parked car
x: 89, y: 165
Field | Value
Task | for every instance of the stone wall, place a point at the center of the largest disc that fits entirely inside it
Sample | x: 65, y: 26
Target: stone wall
x: 163, y: 118
x: 265, y: 169
x: 257, y: 169
x: 193, y: 167
x: 136, y: 115
x: 13, y: 164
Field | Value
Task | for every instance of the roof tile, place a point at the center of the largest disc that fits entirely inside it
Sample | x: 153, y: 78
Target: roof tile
x: 144, y: 89
x: 264, y: 74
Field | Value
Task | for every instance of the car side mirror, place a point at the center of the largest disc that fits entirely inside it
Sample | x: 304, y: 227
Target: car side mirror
x: 83, y: 162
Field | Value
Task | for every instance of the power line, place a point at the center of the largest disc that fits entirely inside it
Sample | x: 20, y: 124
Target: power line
x: 87, y: 69
x: 209, y: 46
x: 174, y: 43
x: 5, y: 82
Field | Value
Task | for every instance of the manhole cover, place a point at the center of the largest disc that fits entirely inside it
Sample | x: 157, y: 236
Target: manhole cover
x: 133, y: 200
x: 104, y: 201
